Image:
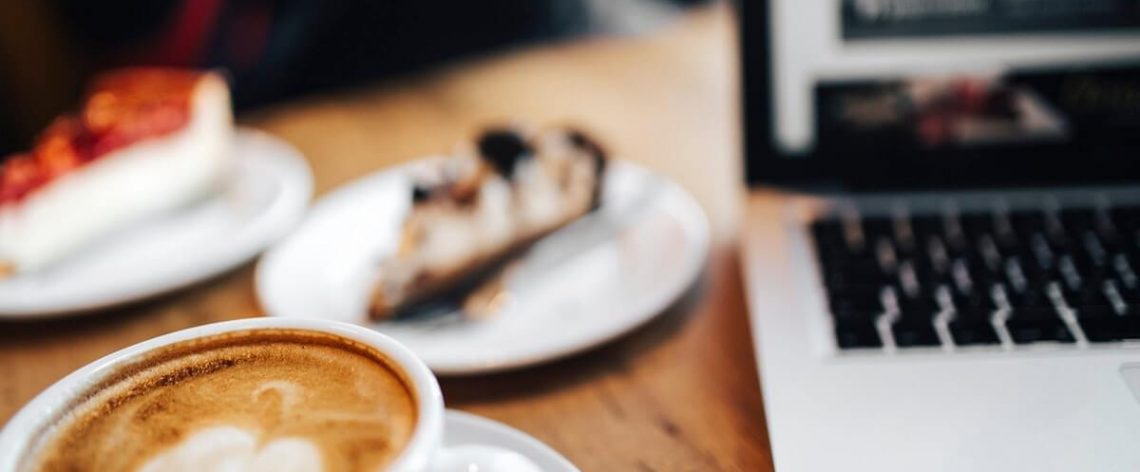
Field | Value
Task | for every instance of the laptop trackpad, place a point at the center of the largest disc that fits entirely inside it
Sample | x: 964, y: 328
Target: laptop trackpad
x: 1131, y: 373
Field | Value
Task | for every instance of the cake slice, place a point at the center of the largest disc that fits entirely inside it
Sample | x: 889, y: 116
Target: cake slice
x: 472, y: 210
x: 144, y: 141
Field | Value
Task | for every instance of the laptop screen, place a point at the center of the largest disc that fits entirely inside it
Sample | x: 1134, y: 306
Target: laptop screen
x: 916, y: 82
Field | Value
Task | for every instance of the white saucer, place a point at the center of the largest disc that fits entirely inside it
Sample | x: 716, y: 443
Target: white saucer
x: 464, y: 429
x: 267, y: 196
x: 587, y: 284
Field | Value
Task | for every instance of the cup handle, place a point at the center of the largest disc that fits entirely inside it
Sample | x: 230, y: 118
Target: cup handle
x: 480, y: 458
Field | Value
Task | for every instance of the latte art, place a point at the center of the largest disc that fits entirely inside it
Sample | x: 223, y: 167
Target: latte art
x: 228, y: 448
x: 272, y: 399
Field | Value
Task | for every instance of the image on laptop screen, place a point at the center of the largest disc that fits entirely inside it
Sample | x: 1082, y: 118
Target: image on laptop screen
x: 919, y: 76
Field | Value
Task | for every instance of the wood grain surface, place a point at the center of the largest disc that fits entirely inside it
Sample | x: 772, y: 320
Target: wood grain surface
x: 680, y: 393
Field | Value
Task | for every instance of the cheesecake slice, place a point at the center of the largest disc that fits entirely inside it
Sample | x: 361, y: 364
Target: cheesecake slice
x: 472, y: 210
x: 143, y: 142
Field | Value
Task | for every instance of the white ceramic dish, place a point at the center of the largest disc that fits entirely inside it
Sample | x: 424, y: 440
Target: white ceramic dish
x: 465, y: 429
x: 587, y: 284
x: 267, y: 195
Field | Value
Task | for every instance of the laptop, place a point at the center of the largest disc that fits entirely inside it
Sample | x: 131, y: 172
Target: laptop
x: 942, y: 241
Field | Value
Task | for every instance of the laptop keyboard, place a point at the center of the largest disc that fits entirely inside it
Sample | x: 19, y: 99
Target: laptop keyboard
x: 1002, y: 278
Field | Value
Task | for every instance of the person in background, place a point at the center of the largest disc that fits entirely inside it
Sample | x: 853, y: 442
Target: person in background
x: 272, y: 49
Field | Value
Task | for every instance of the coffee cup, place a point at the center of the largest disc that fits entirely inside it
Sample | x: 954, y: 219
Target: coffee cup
x: 251, y: 394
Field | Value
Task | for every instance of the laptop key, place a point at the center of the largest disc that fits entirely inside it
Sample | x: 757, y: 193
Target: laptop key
x: 831, y: 241
x: 974, y: 302
x: 915, y: 331
x: 976, y: 225
x: 860, y: 267
x: 1128, y: 289
x: 927, y: 226
x: 1029, y: 298
x: 1106, y: 324
x: 971, y: 327
x: 857, y: 302
x: 1078, y: 220
x: 1091, y: 293
x: 1029, y: 325
x: 842, y: 284
x: 875, y: 227
x: 1027, y: 223
x: 914, y: 325
x: 1125, y: 219
x: 856, y: 331
x: 1123, y: 271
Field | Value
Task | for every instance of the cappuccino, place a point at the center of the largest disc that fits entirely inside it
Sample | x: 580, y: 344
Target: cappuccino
x: 261, y: 399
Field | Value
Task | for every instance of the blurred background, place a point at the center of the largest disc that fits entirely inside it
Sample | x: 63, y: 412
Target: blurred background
x: 273, y: 49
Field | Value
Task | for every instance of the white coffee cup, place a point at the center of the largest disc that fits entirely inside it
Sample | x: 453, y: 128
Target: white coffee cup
x: 423, y: 452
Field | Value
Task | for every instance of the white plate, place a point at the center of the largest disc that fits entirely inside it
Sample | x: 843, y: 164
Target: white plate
x: 266, y: 197
x: 582, y: 286
x: 464, y: 429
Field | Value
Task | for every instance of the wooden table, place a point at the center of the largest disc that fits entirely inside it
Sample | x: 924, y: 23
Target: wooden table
x: 678, y: 394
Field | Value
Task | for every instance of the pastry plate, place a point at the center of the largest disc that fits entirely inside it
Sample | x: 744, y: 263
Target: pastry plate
x: 266, y: 196
x: 584, y: 285
x: 465, y: 429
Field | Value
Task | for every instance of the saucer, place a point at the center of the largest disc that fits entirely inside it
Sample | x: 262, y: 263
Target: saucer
x: 465, y: 429
x: 589, y: 283
x: 266, y: 196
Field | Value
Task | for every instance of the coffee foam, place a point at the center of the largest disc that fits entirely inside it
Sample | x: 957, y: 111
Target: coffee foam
x: 252, y: 400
